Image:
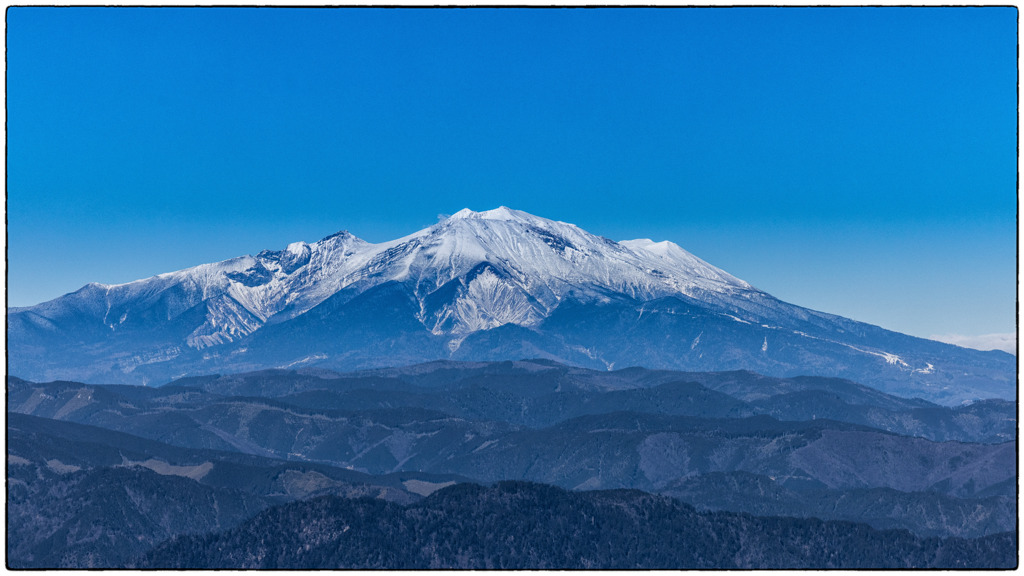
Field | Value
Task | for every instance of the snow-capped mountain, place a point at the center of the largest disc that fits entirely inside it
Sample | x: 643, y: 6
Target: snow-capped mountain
x: 500, y: 284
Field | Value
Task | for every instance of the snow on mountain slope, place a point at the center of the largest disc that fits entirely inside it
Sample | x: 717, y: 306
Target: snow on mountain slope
x: 478, y: 285
x: 551, y: 261
x: 531, y: 264
x: 686, y: 270
x: 239, y: 294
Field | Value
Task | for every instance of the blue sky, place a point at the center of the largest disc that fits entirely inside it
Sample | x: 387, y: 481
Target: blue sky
x: 859, y: 161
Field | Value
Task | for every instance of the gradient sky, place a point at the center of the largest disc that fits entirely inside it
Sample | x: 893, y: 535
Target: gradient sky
x: 859, y: 161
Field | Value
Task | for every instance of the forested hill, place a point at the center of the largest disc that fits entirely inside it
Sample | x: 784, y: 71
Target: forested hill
x: 518, y: 525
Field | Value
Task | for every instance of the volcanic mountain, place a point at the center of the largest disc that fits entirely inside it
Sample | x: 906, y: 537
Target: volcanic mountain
x: 494, y: 285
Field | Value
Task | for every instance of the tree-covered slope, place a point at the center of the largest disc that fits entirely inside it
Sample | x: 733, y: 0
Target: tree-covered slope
x: 515, y: 525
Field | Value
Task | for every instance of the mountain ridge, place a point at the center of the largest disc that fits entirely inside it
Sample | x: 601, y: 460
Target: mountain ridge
x: 938, y: 470
x: 493, y: 285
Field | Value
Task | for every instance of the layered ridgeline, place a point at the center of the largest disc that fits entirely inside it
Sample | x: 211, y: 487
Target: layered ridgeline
x: 740, y: 470
x: 808, y: 447
x: 494, y: 285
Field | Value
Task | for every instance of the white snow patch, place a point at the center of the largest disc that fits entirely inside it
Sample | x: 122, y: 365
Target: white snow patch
x: 893, y: 359
x: 297, y: 248
x: 889, y: 357
x: 307, y: 359
x: 485, y: 445
x: 454, y: 344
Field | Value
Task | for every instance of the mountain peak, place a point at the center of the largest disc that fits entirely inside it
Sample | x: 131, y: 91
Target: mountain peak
x: 338, y: 236
x: 663, y: 248
x: 499, y: 213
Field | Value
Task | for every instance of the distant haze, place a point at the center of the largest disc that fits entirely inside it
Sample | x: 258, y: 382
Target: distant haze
x: 1004, y: 342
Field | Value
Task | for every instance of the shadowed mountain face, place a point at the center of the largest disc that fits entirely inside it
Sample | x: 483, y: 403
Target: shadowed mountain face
x: 495, y: 285
x: 87, y: 497
x: 233, y: 445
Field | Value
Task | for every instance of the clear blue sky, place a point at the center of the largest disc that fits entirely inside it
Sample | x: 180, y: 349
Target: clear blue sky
x: 860, y: 161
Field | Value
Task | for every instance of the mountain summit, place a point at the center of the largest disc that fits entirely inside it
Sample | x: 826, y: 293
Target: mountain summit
x: 493, y: 285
